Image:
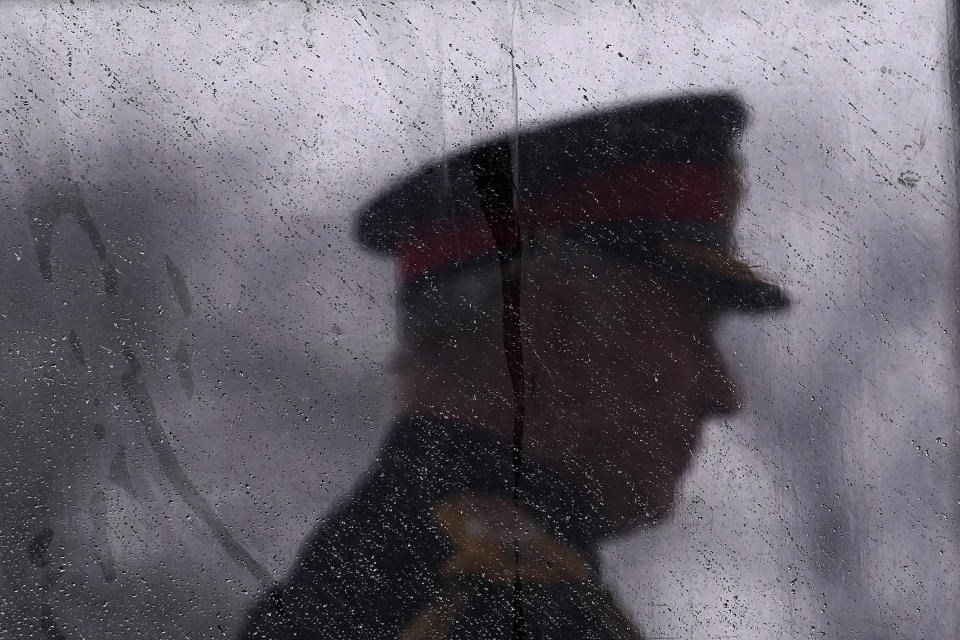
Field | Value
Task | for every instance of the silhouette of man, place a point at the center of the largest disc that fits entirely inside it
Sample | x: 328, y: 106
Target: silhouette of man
x: 566, y: 282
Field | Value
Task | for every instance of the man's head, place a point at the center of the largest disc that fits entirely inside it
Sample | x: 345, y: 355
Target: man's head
x: 627, y: 262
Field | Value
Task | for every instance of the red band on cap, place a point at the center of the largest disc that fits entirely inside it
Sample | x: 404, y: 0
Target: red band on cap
x: 444, y: 243
x: 684, y: 193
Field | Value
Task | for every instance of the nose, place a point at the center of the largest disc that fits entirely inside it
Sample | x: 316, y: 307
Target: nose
x: 718, y: 392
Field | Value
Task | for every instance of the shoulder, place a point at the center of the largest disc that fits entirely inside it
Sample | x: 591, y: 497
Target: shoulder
x: 355, y: 570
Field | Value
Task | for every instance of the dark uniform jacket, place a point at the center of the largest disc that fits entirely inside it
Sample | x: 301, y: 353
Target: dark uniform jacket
x: 426, y: 549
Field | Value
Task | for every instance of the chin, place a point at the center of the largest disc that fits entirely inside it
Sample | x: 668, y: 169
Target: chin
x: 642, y: 511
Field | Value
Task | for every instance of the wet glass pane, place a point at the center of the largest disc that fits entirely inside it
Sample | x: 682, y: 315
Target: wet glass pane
x: 479, y: 320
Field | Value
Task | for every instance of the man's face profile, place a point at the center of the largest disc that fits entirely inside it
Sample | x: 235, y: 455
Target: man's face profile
x: 620, y: 366
x: 623, y: 372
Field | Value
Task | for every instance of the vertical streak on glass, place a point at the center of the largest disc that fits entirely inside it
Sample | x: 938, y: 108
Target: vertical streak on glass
x: 517, y: 630
x: 953, y: 60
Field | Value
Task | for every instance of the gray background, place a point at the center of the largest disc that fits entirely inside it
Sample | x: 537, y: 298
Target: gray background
x: 219, y: 150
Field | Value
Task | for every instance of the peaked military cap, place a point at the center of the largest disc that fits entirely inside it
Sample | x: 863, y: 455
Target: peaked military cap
x: 656, y: 181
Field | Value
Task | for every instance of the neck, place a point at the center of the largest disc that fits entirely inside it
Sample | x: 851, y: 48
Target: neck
x: 471, y: 393
x: 447, y: 456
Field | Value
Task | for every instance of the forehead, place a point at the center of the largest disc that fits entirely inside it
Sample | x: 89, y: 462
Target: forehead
x: 609, y: 283
x: 617, y: 277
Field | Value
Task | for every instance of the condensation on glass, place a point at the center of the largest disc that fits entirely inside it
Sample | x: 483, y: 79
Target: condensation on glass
x: 400, y: 320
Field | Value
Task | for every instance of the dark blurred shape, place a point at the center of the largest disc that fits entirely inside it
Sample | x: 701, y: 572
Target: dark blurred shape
x: 38, y: 551
x: 179, y: 284
x: 44, y: 211
x: 51, y: 628
x: 119, y: 473
x: 76, y: 347
x: 135, y: 390
x: 181, y: 360
x: 101, y: 541
x: 558, y: 295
